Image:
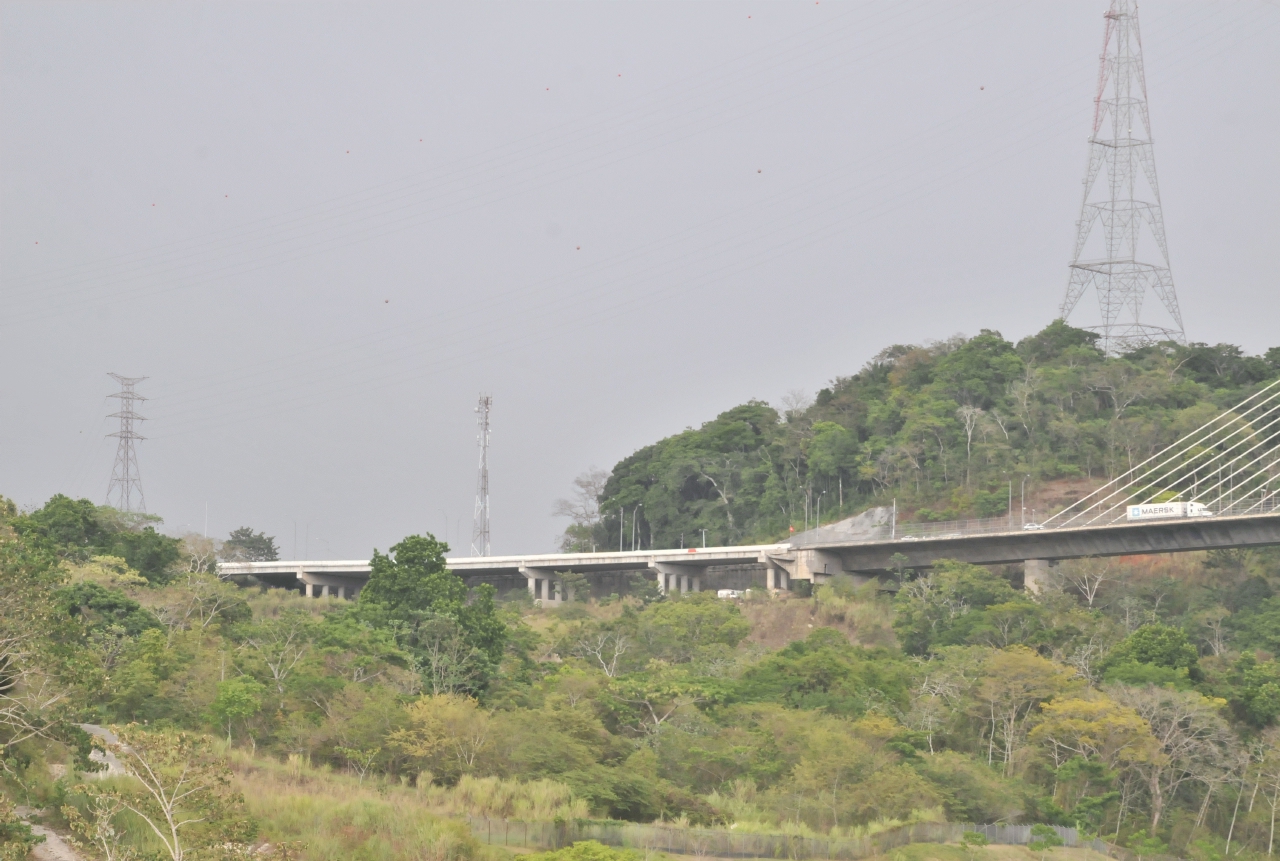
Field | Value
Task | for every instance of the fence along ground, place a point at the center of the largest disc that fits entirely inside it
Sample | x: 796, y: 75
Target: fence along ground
x: 722, y: 843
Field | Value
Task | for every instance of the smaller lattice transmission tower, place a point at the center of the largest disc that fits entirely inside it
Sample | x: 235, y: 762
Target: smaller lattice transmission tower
x: 480, y: 519
x: 125, y: 491
x: 1122, y: 261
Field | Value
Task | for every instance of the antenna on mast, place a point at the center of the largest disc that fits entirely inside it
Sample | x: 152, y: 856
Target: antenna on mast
x: 480, y: 519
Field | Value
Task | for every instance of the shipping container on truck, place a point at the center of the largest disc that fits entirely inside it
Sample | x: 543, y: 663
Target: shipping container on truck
x: 1165, y: 510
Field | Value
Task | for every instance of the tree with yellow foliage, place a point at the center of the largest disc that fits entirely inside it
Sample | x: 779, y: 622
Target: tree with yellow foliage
x: 1096, y: 730
x: 1089, y: 739
x: 447, y: 734
x: 1014, y: 683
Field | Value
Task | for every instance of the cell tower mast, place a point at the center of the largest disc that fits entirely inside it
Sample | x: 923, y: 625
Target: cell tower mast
x: 480, y: 519
x: 125, y: 491
x: 1121, y: 143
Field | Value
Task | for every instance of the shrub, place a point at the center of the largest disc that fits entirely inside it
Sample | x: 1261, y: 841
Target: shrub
x: 587, y: 850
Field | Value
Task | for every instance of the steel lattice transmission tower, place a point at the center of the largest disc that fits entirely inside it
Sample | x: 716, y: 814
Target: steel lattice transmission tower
x: 125, y: 491
x: 1121, y: 267
x: 480, y: 519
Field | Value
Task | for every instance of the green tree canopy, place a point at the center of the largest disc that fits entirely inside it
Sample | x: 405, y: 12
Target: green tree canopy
x: 826, y: 671
x: 78, y: 529
x: 245, y: 545
x: 957, y: 603
x: 1158, y: 644
x: 1155, y: 654
x: 436, y: 617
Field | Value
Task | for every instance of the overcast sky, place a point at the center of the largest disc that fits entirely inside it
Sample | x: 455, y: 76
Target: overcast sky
x: 321, y: 230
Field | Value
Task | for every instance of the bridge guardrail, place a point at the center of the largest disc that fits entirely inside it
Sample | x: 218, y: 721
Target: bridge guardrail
x: 1005, y: 525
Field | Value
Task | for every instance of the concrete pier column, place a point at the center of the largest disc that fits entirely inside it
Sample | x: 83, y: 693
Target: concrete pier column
x: 771, y: 578
x: 541, y: 583
x: 325, y: 593
x: 697, y: 584
x: 784, y: 580
x: 1036, y: 575
x: 673, y: 577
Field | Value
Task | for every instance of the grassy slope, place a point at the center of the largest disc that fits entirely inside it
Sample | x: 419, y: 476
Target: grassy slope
x: 339, y: 817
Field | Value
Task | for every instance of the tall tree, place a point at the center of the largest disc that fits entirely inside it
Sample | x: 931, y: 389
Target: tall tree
x: 183, y: 791
x: 1013, y: 685
x: 435, y: 615
x: 245, y: 545
x: 583, y: 511
x: 1194, y: 743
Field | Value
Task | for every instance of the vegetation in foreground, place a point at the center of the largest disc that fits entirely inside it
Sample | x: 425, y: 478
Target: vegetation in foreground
x: 1137, y: 700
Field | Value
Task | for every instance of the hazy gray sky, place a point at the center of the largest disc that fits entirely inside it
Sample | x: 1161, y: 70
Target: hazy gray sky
x: 322, y: 229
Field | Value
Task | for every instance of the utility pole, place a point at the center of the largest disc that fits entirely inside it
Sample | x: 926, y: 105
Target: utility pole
x: 125, y: 490
x: 1120, y: 268
x: 480, y: 518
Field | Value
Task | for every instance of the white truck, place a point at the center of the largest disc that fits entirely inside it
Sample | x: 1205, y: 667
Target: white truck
x: 1163, y: 510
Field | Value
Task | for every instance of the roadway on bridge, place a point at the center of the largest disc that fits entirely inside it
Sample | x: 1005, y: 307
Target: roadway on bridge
x: 815, y: 561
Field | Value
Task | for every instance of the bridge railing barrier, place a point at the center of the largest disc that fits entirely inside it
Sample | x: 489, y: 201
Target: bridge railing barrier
x: 724, y: 843
x: 1251, y: 506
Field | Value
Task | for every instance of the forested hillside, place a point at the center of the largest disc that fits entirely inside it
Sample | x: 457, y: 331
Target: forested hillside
x: 944, y: 428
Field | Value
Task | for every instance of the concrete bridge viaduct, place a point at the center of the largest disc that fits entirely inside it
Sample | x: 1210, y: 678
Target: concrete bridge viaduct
x: 810, y: 557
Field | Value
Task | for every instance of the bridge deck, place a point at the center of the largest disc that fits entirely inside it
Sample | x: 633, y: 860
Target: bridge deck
x: 866, y: 556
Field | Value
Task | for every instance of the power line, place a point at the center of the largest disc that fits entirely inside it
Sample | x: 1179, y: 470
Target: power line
x: 480, y: 518
x: 126, y: 479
